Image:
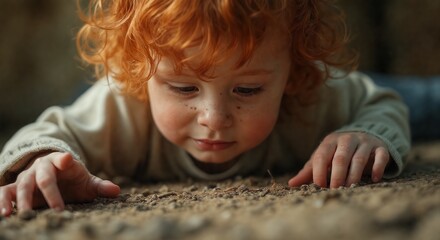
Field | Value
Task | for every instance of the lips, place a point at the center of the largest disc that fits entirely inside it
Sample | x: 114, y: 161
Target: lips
x: 212, y: 145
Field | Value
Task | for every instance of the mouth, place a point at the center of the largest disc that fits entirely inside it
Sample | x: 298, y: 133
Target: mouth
x: 212, y: 145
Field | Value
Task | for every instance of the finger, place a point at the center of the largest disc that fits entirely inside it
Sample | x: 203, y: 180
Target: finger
x: 381, y: 159
x: 62, y: 161
x: 7, y: 196
x: 341, y: 161
x: 358, y: 163
x: 46, y: 178
x: 69, y: 168
x: 304, y: 176
x: 102, y: 188
x: 25, y: 190
x: 108, y: 189
x: 321, y: 160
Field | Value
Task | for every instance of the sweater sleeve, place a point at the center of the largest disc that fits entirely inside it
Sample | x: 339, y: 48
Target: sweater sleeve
x: 103, y: 129
x: 379, y: 112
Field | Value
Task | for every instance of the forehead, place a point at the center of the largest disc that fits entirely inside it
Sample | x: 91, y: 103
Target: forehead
x: 273, y: 48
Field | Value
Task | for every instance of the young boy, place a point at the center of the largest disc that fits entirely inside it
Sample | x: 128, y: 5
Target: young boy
x: 208, y: 90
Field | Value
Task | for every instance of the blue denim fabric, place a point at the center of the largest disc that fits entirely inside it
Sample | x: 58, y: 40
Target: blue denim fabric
x: 422, y: 96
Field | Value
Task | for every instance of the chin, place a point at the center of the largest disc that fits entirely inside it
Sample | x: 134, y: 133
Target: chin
x: 212, y: 158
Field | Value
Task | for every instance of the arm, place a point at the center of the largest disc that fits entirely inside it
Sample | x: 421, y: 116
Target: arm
x: 373, y: 136
x: 102, y: 130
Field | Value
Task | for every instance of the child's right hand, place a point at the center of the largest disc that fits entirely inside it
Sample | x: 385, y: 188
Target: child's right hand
x: 53, y: 179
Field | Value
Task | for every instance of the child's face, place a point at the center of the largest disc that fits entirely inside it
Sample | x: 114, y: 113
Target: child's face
x: 216, y: 120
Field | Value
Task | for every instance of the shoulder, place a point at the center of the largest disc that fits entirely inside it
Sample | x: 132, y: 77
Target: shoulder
x: 109, y: 94
x: 350, y: 80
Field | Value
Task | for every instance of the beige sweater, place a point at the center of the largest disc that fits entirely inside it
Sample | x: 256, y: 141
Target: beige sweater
x: 115, y: 134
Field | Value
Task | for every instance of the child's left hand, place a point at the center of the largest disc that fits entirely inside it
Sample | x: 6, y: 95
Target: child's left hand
x: 345, y: 157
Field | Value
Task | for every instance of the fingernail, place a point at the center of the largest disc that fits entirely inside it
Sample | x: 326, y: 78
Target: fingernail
x: 3, y: 211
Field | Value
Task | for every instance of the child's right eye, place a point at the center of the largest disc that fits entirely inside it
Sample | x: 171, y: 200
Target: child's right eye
x: 184, y: 90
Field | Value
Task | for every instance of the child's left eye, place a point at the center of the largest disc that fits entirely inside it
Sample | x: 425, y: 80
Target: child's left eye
x: 246, y: 91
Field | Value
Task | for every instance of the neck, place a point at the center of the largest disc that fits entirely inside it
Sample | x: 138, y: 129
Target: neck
x: 213, y: 168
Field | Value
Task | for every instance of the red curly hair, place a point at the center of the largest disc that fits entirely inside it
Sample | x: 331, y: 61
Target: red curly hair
x: 127, y: 39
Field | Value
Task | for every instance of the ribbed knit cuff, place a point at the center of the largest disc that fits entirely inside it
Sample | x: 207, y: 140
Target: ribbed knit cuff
x: 12, y: 161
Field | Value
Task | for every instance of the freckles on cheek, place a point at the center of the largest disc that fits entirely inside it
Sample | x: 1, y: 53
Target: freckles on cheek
x: 257, y: 127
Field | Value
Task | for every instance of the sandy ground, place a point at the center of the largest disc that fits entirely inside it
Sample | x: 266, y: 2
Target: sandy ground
x: 252, y: 208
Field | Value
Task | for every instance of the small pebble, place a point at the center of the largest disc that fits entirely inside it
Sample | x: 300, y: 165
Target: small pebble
x: 226, y: 196
x: 384, y: 184
x: 146, y: 193
x: 66, y: 215
x: 212, y: 185
x: 191, y: 188
x: 164, y: 189
x: 167, y: 194
x: 27, y: 215
x: 332, y: 194
x: 135, y: 198
x: 314, y: 187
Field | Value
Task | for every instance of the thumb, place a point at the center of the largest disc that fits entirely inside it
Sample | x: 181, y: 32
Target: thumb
x: 304, y: 176
x: 104, y: 188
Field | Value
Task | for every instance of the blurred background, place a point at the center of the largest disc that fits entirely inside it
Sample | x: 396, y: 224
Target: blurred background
x: 39, y: 66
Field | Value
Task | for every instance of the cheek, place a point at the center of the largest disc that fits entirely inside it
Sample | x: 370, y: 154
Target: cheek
x: 170, y: 119
x: 256, y: 127
x: 259, y: 121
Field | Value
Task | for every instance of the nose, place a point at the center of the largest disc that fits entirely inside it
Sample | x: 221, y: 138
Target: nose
x: 215, y: 116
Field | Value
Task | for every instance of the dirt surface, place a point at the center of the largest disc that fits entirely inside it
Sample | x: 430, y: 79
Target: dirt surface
x: 252, y: 208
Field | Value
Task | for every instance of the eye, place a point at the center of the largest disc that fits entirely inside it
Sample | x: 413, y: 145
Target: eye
x: 246, y: 91
x: 183, y: 90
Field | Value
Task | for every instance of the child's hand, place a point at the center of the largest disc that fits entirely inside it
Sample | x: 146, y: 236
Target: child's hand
x: 345, y: 157
x: 53, y: 179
